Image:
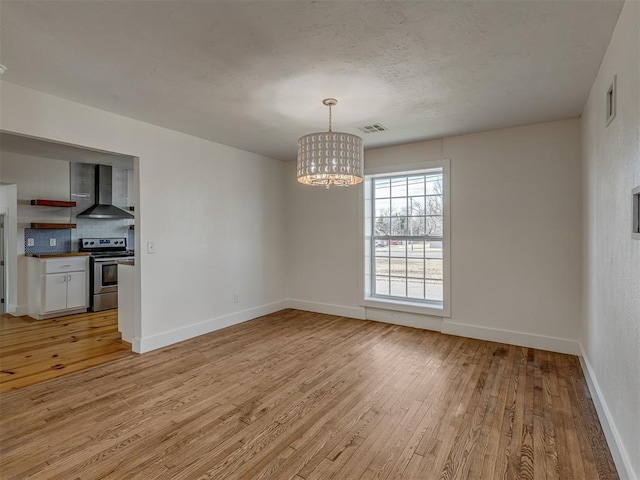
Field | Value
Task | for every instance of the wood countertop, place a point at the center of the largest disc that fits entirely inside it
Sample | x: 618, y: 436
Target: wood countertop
x: 55, y: 255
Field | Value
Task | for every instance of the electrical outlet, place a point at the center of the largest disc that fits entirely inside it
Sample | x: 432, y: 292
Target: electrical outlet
x: 30, y: 242
x: 52, y: 242
x: 236, y: 298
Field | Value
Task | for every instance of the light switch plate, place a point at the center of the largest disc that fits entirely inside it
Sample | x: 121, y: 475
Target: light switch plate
x: 151, y: 247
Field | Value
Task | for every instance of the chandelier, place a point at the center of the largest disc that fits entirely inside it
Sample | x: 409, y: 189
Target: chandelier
x: 330, y: 158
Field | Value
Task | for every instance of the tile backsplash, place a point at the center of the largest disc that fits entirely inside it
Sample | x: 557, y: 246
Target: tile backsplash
x: 83, y: 193
x: 41, y: 240
x: 93, y: 228
x: 67, y: 240
x: 131, y: 240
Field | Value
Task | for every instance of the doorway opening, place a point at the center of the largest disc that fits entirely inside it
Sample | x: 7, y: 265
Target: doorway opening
x: 55, y: 184
x: 3, y: 270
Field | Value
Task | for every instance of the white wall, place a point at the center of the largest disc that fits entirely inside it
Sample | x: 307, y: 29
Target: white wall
x: 215, y: 213
x: 34, y: 177
x: 611, y: 317
x: 515, y: 232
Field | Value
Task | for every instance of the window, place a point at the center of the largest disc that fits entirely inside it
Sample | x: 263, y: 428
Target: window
x: 406, y: 240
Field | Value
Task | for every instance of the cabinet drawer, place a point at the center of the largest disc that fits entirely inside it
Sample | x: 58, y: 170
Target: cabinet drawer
x: 65, y: 264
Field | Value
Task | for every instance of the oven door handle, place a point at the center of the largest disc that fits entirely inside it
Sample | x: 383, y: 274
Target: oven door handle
x: 108, y: 260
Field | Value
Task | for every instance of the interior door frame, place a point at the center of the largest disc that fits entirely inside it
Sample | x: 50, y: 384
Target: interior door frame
x: 3, y: 266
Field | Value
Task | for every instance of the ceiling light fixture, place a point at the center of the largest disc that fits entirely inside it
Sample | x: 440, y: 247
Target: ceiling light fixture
x: 330, y: 158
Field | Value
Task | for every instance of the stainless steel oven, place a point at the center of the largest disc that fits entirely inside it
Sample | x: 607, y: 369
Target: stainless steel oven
x: 106, y: 254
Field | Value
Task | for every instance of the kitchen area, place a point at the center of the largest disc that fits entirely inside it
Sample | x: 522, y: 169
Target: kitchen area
x: 75, y: 243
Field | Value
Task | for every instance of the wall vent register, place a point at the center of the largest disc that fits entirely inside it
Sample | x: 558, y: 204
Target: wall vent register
x: 373, y: 128
x: 611, y: 101
x: 635, y: 222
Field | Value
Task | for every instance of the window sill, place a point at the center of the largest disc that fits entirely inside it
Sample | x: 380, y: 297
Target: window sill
x: 435, y: 309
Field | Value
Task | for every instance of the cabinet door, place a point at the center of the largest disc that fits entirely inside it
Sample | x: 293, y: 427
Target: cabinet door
x: 76, y: 289
x: 55, y: 292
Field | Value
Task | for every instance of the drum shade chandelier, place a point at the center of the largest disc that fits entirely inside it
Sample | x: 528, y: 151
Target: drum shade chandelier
x: 330, y: 158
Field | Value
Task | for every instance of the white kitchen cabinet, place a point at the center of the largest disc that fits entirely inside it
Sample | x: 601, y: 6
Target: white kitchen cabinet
x: 77, y: 290
x: 58, y: 286
x: 54, y: 295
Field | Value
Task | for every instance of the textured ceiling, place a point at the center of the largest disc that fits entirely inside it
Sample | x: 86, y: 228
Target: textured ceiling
x: 252, y: 74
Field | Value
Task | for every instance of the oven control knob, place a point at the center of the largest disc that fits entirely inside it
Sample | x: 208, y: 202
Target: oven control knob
x: 91, y: 243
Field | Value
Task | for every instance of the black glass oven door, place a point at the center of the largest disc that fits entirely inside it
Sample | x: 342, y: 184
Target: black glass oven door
x: 109, y: 274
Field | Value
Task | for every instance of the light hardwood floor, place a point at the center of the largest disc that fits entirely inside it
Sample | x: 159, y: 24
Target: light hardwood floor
x: 298, y: 395
x: 32, y: 351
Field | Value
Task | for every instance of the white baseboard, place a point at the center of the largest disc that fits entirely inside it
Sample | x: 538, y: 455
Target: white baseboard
x: 18, y: 310
x: 135, y: 345
x: 438, y: 324
x: 327, y: 308
x: 406, y: 319
x: 159, y: 340
x: 618, y: 452
x: 542, y: 342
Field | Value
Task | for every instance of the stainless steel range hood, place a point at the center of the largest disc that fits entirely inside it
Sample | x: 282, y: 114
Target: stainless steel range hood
x: 103, y: 209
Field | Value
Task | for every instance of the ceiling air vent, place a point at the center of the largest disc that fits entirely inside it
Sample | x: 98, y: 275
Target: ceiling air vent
x: 373, y: 128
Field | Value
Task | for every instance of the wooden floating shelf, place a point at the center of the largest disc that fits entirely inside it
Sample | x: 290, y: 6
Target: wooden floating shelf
x: 53, y: 225
x: 52, y: 203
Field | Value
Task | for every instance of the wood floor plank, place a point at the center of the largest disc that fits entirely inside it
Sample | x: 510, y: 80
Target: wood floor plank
x: 305, y: 396
x: 48, y: 354
x: 340, y: 425
x: 492, y: 405
x: 467, y: 449
x: 540, y: 470
x: 33, y: 351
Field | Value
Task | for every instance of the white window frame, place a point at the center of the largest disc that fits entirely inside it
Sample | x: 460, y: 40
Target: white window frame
x: 420, y: 306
